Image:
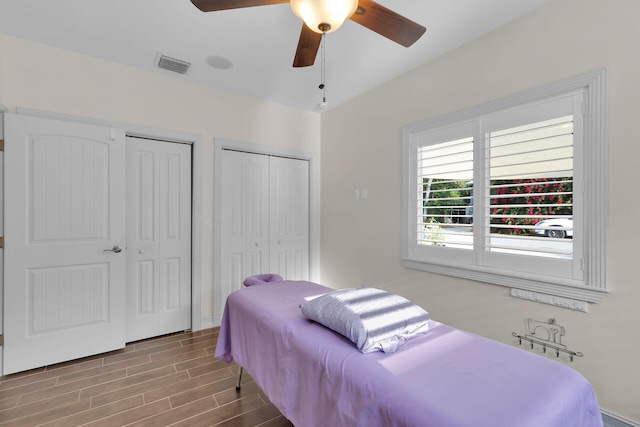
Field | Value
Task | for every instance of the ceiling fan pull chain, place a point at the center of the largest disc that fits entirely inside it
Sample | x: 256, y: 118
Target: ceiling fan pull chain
x: 322, y: 86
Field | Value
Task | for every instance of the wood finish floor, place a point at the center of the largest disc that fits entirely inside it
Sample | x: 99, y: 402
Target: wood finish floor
x: 171, y: 380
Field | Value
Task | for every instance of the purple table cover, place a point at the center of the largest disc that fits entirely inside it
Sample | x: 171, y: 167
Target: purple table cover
x: 443, y: 378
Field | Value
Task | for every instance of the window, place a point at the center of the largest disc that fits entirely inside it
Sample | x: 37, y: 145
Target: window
x: 513, y: 192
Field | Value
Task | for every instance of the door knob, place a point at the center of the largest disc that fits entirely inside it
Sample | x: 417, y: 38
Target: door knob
x: 117, y: 249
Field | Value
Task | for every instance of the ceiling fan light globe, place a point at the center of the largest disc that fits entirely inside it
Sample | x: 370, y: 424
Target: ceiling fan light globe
x: 317, y: 13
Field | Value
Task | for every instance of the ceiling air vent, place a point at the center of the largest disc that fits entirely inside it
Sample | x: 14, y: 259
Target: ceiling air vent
x: 172, y: 64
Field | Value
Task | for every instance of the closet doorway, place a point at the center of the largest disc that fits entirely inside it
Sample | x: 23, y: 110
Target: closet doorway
x: 263, y: 220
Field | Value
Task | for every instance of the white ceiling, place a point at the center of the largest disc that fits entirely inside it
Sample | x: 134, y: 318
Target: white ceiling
x: 259, y: 41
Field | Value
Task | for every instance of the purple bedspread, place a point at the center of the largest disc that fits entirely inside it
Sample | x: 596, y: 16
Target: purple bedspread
x: 444, y: 378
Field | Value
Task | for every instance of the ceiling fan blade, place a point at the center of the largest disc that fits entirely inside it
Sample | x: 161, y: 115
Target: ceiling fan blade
x: 215, y: 5
x: 387, y: 23
x: 308, y: 45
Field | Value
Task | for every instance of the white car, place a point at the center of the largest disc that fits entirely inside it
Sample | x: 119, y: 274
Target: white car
x: 558, y: 228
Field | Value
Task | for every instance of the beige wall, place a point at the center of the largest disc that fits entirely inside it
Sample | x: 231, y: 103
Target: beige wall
x: 40, y: 77
x: 362, y: 146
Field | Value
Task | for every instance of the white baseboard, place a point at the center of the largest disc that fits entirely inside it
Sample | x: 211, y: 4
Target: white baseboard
x: 207, y: 322
x: 614, y: 420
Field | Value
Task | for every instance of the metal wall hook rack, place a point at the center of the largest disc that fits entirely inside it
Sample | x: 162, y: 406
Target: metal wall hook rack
x: 553, y: 332
x: 546, y: 345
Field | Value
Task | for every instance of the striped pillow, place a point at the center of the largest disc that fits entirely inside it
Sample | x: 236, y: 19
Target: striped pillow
x: 371, y: 318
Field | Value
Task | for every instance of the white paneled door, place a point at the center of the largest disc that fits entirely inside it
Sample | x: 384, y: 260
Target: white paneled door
x: 65, y: 227
x: 158, y: 238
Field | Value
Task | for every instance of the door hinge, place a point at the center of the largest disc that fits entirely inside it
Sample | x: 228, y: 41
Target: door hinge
x: 1, y: 144
x: 1, y: 340
x: 1, y: 242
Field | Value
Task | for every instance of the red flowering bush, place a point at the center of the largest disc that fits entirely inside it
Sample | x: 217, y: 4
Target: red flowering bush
x: 519, y: 204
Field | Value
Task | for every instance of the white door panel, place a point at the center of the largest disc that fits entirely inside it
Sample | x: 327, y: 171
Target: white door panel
x: 289, y: 206
x: 245, y: 207
x: 158, y: 238
x: 64, y: 295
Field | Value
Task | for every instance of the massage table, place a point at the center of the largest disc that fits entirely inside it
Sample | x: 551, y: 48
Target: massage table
x: 442, y: 378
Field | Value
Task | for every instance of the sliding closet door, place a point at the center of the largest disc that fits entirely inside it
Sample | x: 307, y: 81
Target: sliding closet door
x: 289, y: 216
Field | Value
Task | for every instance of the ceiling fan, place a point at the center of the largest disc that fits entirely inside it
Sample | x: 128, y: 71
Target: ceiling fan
x: 318, y: 17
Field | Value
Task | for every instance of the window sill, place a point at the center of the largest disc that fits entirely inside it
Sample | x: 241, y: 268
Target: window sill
x: 566, y: 294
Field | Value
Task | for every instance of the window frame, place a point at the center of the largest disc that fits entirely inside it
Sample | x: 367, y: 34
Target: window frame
x: 593, y: 164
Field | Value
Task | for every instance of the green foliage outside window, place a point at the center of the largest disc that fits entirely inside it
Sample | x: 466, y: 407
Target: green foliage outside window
x: 446, y: 198
x: 433, y: 233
